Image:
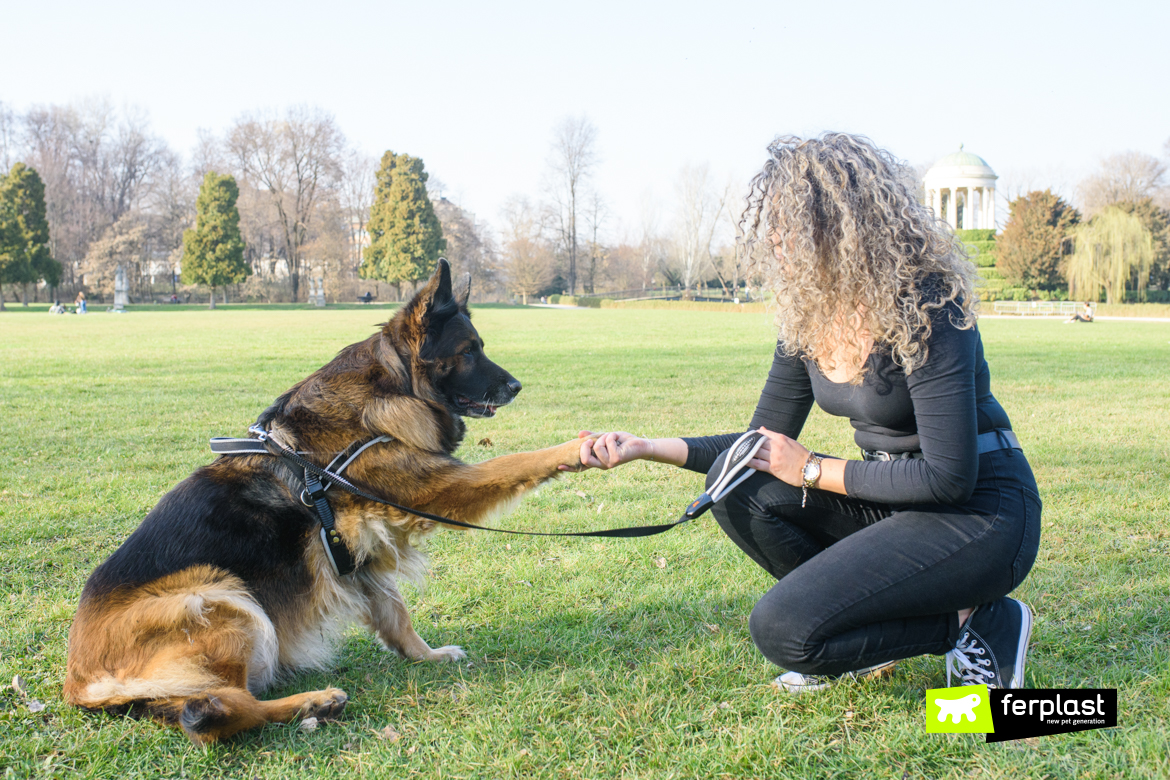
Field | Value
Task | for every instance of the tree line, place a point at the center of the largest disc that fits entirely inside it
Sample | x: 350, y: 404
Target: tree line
x: 115, y: 194
x: 308, y: 204
x: 1118, y: 241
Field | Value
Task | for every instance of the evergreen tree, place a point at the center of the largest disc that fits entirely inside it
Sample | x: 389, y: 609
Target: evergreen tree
x: 24, y: 231
x: 1031, y: 250
x: 213, y: 251
x: 406, y: 238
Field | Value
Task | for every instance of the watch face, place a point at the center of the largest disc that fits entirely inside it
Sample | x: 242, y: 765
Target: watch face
x: 811, y: 470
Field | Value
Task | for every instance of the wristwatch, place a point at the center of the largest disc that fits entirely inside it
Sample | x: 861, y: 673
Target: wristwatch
x: 811, y: 473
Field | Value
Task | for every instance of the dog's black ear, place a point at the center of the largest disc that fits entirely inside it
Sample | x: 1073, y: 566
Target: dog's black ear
x: 441, y: 296
x: 436, y: 305
x: 464, y: 293
x: 422, y: 319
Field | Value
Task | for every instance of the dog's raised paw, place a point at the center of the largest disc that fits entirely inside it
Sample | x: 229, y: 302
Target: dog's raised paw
x: 327, y: 704
x: 447, y: 653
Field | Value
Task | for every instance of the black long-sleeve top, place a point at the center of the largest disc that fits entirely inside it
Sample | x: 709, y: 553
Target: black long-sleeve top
x: 939, y: 408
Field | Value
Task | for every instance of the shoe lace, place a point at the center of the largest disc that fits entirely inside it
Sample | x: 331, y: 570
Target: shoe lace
x: 964, y: 660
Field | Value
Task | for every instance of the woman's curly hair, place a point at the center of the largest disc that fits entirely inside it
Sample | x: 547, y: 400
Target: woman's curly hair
x: 845, y: 241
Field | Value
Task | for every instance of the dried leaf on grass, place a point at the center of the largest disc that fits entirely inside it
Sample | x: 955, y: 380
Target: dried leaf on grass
x: 20, y: 686
x: 660, y: 562
x: 388, y: 734
x: 35, y: 706
x: 308, y: 724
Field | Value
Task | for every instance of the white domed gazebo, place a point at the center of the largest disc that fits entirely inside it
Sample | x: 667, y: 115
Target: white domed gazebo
x: 960, y: 188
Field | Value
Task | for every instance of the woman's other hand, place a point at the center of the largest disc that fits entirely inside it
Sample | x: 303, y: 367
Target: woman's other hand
x: 780, y: 456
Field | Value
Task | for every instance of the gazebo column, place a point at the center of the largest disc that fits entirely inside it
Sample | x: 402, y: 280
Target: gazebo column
x: 969, y: 211
x: 989, y: 194
x: 953, y: 209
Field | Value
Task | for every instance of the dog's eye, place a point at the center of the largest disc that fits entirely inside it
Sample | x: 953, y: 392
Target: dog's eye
x: 468, y: 352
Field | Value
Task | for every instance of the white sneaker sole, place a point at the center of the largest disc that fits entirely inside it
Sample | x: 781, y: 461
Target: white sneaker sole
x: 1017, y: 680
x: 795, y: 682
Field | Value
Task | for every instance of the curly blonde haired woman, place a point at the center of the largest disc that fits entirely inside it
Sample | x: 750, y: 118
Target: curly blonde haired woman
x: 913, y: 549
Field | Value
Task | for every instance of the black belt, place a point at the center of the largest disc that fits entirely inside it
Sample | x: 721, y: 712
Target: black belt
x: 999, y: 439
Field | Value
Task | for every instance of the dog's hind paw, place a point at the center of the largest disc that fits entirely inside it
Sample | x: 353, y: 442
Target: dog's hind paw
x: 447, y: 653
x: 202, y: 717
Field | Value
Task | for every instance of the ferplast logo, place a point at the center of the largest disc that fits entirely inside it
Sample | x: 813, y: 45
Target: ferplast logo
x: 1018, y: 714
x: 965, y: 710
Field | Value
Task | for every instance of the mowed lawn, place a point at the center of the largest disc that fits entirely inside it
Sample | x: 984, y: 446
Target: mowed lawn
x: 586, y: 658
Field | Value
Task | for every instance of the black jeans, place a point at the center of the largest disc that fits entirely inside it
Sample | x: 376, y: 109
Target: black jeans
x: 861, y: 583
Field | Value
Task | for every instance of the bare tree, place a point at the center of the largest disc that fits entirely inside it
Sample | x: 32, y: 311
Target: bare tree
x: 1122, y: 178
x: 470, y: 248
x: 729, y: 265
x: 169, y: 209
x: 571, y: 164
x: 123, y: 243
x: 699, y: 208
x: 527, y: 257
x: 8, y: 140
x: 652, y: 246
x: 295, y: 159
x: 97, y: 167
x: 596, y: 214
x: 209, y: 155
x: 356, y: 195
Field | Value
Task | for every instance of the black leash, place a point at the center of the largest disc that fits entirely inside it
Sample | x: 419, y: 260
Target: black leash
x: 317, y: 480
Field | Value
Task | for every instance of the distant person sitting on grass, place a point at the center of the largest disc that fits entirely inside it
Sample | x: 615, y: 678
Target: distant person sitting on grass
x: 914, y: 548
x: 80, y: 303
x: 1085, y: 314
x: 56, y: 308
x: 366, y: 298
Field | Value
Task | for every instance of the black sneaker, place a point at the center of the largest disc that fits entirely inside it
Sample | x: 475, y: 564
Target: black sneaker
x: 992, y: 646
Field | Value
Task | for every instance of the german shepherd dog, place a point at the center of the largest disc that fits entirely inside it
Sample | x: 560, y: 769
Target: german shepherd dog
x: 227, y: 584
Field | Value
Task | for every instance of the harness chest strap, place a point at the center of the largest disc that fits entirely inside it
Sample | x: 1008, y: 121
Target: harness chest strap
x: 313, y: 494
x: 336, y: 549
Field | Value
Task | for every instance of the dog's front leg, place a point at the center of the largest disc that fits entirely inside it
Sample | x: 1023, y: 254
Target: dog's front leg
x: 390, y: 620
x: 472, y: 492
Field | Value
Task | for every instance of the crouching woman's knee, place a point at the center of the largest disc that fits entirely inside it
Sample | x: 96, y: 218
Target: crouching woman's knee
x: 783, y: 632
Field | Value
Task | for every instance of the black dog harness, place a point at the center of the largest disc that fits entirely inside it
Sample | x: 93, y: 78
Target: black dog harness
x: 317, y: 480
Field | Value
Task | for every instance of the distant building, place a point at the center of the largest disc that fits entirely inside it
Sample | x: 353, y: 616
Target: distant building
x: 960, y: 188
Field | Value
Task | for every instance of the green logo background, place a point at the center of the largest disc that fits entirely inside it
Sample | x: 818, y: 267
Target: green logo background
x: 952, y: 702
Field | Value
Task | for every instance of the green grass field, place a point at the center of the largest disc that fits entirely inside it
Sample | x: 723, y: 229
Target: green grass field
x: 586, y: 659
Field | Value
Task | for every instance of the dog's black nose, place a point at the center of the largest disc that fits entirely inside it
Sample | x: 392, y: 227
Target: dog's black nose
x: 515, y: 386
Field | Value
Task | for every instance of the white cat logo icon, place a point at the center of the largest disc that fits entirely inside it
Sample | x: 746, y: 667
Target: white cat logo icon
x: 957, y: 708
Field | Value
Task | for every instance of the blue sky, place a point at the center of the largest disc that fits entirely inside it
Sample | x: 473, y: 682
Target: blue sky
x: 1042, y: 91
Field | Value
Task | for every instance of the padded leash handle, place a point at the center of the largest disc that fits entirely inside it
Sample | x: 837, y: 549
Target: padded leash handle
x: 733, y: 473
